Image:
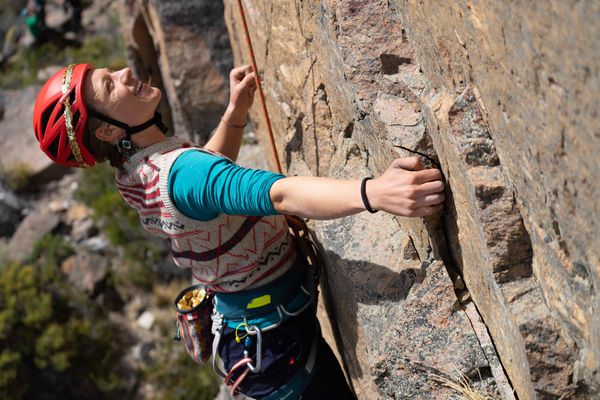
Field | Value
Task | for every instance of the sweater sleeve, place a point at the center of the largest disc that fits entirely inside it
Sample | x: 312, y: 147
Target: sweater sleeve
x: 203, y: 185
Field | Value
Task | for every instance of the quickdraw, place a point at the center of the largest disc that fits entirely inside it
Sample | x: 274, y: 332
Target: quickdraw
x: 251, y: 330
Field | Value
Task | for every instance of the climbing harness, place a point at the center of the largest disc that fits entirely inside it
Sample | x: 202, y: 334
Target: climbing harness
x: 260, y: 310
x: 267, y: 306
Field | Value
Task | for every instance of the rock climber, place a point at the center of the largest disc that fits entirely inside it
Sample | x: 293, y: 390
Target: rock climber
x: 225, y: 222
x: 34, y: 17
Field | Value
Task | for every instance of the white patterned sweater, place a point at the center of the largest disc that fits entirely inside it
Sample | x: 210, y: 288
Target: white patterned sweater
x: 229, y: 253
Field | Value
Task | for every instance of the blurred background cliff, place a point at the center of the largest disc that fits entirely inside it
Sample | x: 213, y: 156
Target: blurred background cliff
x: 85, y: 295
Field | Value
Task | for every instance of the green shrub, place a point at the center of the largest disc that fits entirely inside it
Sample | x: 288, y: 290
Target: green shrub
x: 50, y: 251
x: 54, y: 343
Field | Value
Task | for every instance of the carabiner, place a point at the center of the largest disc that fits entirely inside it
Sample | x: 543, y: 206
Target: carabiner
x: 253, y: 329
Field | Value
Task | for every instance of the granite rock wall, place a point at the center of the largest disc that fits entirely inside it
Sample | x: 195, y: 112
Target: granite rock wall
x: 501, y: 97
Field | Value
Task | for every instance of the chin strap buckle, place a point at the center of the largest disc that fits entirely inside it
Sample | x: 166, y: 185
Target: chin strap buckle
x: 125, y: 144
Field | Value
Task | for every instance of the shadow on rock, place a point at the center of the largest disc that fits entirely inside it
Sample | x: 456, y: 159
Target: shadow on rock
x: 347, y: 283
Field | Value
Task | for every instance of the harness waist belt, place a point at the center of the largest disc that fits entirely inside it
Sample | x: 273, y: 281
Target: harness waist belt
x: 256, y: 303
x: 268, y: 306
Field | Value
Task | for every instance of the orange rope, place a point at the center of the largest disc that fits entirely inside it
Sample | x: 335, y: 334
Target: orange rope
x: 259, y: 86
x: 297, y: 224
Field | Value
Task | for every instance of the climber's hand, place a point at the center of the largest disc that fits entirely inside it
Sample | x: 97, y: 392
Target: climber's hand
x: 242, y: 86
x: 407, y: 189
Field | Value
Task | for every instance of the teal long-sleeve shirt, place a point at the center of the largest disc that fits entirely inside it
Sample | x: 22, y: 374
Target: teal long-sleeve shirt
x: 204, y: 185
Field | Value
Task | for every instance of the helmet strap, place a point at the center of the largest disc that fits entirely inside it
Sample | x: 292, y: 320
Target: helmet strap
x: 126, y: 145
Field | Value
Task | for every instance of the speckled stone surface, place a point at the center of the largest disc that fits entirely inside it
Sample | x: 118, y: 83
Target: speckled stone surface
x: 501, y: 95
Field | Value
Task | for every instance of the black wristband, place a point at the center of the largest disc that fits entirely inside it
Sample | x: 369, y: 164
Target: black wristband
x: 363, y: 194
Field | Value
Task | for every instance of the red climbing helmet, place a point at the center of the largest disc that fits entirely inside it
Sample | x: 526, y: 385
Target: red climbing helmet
x: 60, y: 116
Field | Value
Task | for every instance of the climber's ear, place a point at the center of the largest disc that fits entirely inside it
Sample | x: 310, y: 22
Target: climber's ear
x: 108, y: 133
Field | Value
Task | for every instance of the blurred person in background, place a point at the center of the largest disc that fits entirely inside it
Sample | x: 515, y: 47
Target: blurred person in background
x: 34, y: 17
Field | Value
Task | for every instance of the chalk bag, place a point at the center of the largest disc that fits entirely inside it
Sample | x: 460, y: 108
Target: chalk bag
x: 194, y: 308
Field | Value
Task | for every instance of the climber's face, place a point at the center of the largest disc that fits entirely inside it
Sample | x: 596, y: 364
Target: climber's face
x: 119, y: 95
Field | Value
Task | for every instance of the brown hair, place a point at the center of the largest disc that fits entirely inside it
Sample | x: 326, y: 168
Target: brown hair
x: 99, y: 148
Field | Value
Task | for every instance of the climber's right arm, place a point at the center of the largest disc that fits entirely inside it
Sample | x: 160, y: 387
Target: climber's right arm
x: 405, y: 189
x: 203, y: 185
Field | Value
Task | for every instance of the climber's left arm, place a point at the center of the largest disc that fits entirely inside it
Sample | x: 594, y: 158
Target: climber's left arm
x: 227, y: 139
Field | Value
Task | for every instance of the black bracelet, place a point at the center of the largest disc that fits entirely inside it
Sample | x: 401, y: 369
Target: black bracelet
x: 363, y: 194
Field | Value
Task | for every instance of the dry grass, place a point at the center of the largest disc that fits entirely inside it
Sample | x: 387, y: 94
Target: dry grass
x: 165, y: 293
x: 464, y: 388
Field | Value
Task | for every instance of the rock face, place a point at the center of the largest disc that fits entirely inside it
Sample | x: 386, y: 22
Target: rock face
x: 183, y: 47
x: 86, y: 271
x: 499, y: 95
x: 35, y: 226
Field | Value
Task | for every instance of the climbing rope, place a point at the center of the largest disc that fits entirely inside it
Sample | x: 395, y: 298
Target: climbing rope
x: 261, y: 95
x: 299, y: 231
x: 302, y: 235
